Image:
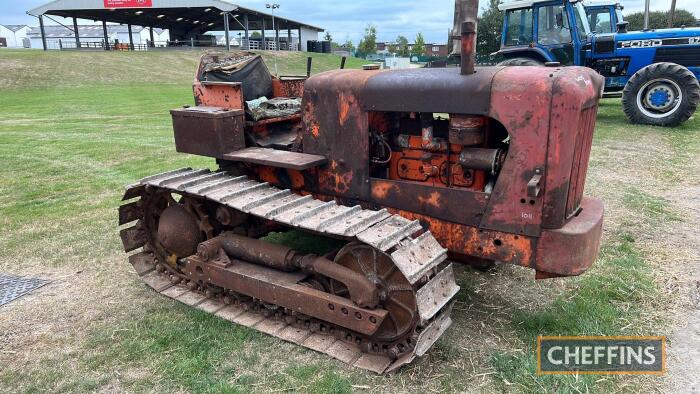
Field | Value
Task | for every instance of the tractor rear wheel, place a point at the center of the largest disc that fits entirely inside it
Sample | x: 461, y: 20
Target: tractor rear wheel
x: 521, y: 61
x: 661, y: 94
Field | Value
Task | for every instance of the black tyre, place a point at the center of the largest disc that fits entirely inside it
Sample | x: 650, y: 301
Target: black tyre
x: 661, y: 94
x: 521, y: 61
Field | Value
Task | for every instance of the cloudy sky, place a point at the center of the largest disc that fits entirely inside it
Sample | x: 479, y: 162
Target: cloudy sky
x: 348, y: 18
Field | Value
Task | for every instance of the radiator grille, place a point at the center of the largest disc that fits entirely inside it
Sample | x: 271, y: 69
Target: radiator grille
x: 688, y: 57
x: 579, y: 168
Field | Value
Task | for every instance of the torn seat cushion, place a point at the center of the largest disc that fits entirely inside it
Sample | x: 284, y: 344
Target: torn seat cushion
x: 278, y: 107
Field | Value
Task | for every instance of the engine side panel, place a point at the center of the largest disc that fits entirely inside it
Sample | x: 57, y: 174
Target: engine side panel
x: 336, y: 126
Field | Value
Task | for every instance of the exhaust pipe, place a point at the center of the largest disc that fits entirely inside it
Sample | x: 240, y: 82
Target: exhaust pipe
x: 468, y: 41
x: 465, y: 23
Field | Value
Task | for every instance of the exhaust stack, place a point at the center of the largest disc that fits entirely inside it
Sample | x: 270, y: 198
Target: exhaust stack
x: 465, y: 23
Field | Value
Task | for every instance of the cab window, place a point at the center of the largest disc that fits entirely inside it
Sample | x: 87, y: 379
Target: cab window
x: 599, y: 19
x: 553, y: 25
x: 583, y: 27
x: 519, y: 27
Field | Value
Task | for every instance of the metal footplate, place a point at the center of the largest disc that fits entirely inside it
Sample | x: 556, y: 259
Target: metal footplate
x: 418, y: 258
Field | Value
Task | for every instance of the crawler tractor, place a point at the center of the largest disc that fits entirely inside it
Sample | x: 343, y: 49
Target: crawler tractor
x: 409, y: 171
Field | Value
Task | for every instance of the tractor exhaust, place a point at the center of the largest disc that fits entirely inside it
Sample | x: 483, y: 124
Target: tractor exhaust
x: 464, y: 46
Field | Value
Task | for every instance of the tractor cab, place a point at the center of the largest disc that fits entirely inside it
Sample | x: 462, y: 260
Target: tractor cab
x: 545, y: 31
x: 655, y: 71
x: 605, y: 16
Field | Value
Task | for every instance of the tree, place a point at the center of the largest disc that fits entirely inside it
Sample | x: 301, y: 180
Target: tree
x: 402, y: 46
x: 328, y: 37
x: 255, y: 35
x: 348, y: 44
x: 419, y: 46
x: 392, y: 48
x: 659, y: 19
x: 489, y: 29
x: 368, y: 43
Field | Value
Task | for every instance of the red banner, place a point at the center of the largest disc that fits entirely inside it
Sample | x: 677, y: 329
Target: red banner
x: 128, y: 3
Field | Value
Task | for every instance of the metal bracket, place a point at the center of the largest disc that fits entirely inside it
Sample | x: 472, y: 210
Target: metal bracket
x: 533, y: 187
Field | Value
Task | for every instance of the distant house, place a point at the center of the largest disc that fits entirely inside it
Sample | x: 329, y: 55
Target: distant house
x: 61, y: 36
x: 14, y: 36
x: 436, y: 50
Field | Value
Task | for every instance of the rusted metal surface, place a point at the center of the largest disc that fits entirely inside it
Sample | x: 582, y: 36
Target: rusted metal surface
x: 567, y: 165
x: 360, y: 289
x: 323, y: 341
x: 129, y: 212
x: 484, y: 159
x: 438, y: 203
x: 405, y: 167
x: 465, y: 240
x: 467, y: 130
x: 223, y: 95
x: 133, y: 237
x: 361, y: 275
x: 208, y: 131
x: 419, y: 256
x: 468, y: 42
x: 436, y: 294
x: 429, y: 90
x: 332, y: 113
x: 178, y: 231
x: 288, y: 86
x: 277, y: 158
x: 283, y: 289
x: 522, y: 102
x: 571, y: 250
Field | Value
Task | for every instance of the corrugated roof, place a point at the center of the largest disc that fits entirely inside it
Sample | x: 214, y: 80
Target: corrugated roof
x: 13, y: 28
x: 159, y: 13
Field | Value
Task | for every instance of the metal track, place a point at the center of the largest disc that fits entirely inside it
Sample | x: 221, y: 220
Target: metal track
x: 417, y: 258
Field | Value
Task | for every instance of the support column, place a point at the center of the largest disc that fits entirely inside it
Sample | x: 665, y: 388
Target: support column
x: 264, y: 45
x: 131, y: 37
x: 289, y: 39
x: 277, y: 37
x: 247, y: 35
x: 43, y: 32
x: 226, y: 31
x: 153, y: 42
x: 106, y: 35
x: 77, y: 34
x: 301, y: 48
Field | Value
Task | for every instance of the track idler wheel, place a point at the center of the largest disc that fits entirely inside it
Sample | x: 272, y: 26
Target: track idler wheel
x: 178, y: 231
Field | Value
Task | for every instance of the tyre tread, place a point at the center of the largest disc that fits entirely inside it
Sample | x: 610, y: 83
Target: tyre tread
x: 685, y: 79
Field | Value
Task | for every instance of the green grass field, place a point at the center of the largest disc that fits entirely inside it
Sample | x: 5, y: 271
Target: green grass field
x: 76, y: 127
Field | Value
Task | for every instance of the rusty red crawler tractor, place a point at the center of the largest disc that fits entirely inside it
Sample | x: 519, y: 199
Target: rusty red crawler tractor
x: 406, y: 167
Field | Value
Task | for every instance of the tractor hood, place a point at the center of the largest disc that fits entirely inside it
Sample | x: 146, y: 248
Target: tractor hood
x: 662, y: 34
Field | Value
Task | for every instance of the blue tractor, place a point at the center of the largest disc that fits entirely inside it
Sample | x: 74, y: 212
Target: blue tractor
x: 604, y: 16
x: 655, y: 71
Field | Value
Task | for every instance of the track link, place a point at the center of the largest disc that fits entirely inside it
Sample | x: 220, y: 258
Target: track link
x: 420, y: 259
